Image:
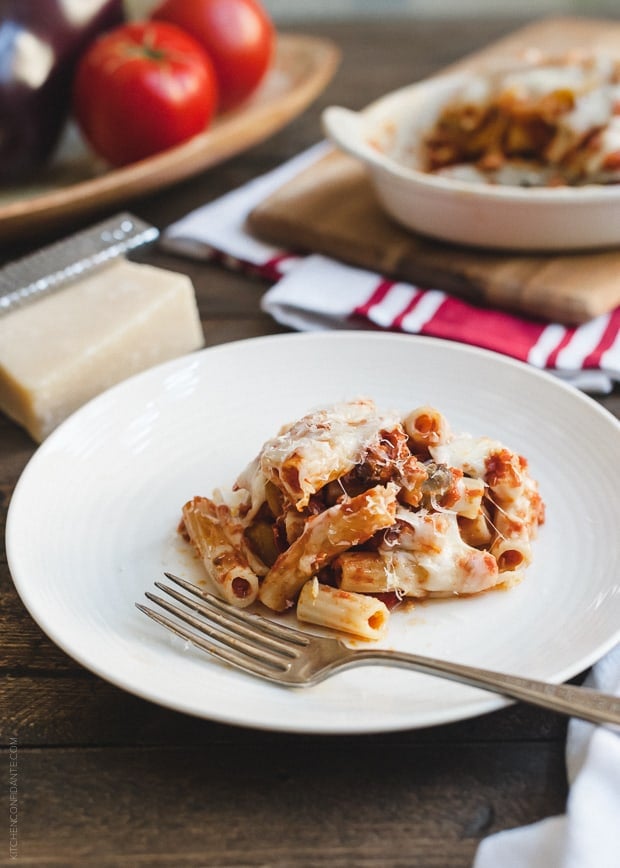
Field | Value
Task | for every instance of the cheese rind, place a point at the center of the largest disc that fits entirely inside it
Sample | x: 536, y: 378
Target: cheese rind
x: 60, y: 351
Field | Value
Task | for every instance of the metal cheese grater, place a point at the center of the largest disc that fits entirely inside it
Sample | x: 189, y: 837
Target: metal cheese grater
x: 65, y: 261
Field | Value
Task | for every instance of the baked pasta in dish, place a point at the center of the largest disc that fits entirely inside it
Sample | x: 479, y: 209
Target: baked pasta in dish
x: 549, y: 122
x: 349, y: 510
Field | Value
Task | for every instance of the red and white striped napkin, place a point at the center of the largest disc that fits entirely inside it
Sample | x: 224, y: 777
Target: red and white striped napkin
x: 314, y: 292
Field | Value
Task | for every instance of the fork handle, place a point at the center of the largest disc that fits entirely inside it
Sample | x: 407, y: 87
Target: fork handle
x: 582, y: 702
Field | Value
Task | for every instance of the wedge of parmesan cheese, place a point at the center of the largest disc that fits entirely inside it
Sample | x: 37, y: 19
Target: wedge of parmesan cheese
x: 59, y: 351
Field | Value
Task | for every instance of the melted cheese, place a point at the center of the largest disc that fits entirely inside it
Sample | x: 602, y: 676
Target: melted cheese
x: 535, y: 82
x: 575, y: 97
x: 466, y: 453
x: 322, y: 446
x: 60, y: 351
x: 444, y: 563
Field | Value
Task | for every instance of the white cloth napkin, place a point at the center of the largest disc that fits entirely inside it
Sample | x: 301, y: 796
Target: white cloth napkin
x: 314, y: 292
x: 588, y: 835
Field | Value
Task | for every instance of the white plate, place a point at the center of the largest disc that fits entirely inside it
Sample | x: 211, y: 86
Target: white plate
x: 466, y: 212
x: 92, y: 524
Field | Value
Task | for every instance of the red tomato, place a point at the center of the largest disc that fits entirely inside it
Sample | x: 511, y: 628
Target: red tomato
x: 238, y: 36
x: 142, y: 88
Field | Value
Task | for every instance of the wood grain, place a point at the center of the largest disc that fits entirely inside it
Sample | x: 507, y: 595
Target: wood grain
x: 343, y: 804
x: 76, y: 708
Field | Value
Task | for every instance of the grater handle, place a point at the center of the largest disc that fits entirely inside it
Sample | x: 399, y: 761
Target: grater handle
x: 63, y: 262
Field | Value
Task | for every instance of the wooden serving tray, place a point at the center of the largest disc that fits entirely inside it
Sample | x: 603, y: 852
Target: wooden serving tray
x: 331, y: 208
x: 76, y: 184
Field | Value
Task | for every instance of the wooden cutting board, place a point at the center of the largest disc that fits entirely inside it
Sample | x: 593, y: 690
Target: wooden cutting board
x: 331, y: 209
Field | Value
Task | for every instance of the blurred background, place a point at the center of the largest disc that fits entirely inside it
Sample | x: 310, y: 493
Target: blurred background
x: 292, y: 10
x: 287, y: 10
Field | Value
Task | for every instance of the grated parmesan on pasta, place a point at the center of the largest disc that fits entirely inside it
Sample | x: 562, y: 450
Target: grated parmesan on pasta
x: 348, y: 511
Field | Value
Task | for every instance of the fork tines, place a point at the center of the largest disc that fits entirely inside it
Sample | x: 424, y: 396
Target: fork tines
x: 243, y: 639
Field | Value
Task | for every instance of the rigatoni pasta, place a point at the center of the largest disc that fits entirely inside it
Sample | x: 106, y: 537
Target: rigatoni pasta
x: 360, y: 614
x: 225, y: 563
x: 545, y: 122
x: 348, y: 511
x: 342, y: 526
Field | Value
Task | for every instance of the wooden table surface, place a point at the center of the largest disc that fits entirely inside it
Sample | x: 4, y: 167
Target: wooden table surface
x: 105, y: 778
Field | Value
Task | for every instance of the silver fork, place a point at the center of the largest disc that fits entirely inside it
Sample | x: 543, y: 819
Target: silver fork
x: 291, y: 658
